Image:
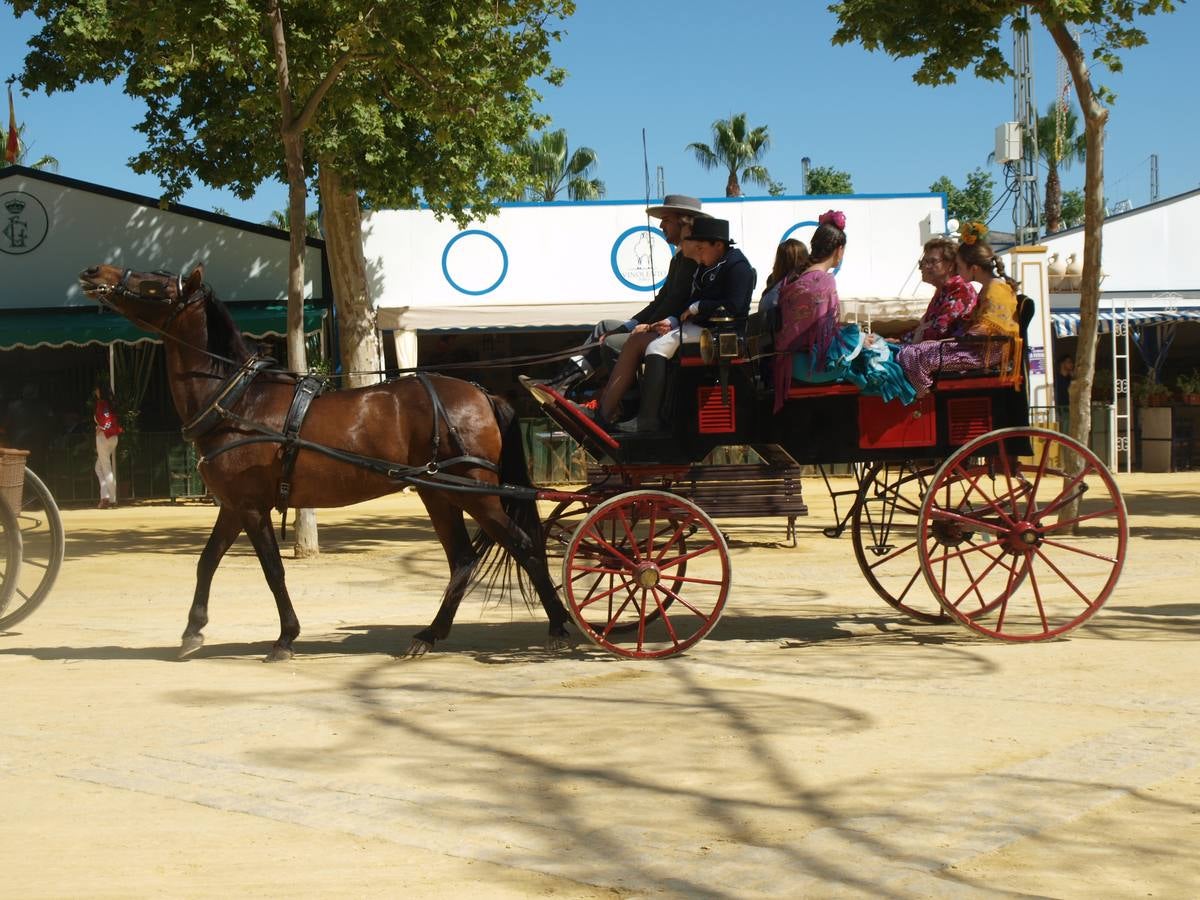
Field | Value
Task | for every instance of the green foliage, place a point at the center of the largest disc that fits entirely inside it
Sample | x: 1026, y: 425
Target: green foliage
x: 551, y: 167
x: 1072, y: 208
x: 738, y: 149
x: 965, y: 34
x: 279, y: 219
x: 828, y: 180
x: 413, y: 101
x: 970, y: 203
x: 1189, y: 382
x: 23, y: 157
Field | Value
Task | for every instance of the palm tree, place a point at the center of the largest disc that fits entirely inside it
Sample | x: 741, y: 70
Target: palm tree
x: 278, y: 218
x: 42, y: 162
x: 552, y: 166
x: 1058, y: 146
x: 736, y: 148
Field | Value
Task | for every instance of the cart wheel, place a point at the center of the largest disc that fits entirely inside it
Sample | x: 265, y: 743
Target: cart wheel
x: 43, y: 544
x: 884, y: 533
x: 624, y: 581
x: 560, y: 524
x: 1051, y: 567
x: 10, y: 556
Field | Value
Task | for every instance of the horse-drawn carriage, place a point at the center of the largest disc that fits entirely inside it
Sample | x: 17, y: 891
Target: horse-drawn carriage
x: 960, y: 510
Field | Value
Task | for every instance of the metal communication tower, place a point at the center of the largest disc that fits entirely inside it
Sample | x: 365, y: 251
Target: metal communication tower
x: 1027, y: 208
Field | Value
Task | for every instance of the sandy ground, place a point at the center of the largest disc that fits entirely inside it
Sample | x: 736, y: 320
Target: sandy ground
x: 816, y: 744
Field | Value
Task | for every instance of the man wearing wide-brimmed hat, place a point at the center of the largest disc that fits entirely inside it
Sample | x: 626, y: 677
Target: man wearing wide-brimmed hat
x: 723, y: 279
x: 676, y: 214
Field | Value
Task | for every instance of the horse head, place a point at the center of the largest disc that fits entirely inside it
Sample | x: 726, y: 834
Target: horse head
x: 151, y: 300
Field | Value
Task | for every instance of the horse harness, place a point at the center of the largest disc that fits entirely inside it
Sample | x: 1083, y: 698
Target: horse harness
x: 220, y: 410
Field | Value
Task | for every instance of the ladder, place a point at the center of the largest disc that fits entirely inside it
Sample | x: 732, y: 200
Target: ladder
x: 1120, y: 434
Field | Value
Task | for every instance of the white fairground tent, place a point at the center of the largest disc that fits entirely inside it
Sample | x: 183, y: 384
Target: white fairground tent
x: 568, y: 265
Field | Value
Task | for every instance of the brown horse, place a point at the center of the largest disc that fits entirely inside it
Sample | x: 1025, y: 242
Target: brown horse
x: 353, y: 445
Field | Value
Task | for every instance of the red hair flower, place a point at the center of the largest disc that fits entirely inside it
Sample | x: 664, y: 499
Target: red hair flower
x: 833, y: 217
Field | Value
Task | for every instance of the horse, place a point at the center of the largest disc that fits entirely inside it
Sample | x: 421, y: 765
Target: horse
x: 457, y: 444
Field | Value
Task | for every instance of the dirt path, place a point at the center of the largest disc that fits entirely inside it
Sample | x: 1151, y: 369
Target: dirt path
x: 816, y: 744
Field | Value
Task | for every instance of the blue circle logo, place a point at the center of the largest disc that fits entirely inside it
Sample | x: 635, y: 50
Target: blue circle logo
x: 635, y: 262
x: 477, y: 262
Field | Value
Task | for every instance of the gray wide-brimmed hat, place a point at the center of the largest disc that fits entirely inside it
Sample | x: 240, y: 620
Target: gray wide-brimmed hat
x: 677, y: 203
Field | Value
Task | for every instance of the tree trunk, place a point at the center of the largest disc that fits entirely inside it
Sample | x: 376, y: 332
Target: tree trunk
x: 293, y: 153
x: 1053, y: 207
x: 358, y: 334
x: 732, y: 188
x: 1095, y: 116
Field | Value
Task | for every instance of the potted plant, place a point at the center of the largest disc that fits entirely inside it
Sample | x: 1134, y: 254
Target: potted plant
x: 1148, y: 392
x: 1189, y: 387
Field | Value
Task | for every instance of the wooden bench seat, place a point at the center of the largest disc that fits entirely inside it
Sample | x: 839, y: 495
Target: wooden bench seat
x: 746, y: 491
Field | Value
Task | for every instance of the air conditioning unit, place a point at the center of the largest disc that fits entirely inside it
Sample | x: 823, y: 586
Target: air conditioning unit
x: 1008, y: 142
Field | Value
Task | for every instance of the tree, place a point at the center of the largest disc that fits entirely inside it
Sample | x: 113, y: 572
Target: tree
x: 738, y: 150
x: 552, y: 167
x: 960, y: 34
x: 42, y: 162
x: 971, y: 203
x: 828, y: 180
x: 1058, y: 145
x: 279, y: 219
x: 1072, y: 208
x: 409, y: 106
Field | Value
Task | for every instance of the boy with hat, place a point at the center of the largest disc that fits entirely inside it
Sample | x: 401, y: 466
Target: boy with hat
x: 677, y: 215
x: 723, y: 278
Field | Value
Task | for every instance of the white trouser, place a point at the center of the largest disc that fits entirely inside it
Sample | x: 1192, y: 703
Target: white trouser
x: 667, y: 345
x: 106, y: 463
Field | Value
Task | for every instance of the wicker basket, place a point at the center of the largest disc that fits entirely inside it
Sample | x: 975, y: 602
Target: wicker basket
x: 12, y: 476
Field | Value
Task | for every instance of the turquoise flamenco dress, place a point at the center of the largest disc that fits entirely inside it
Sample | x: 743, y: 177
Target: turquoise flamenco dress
x: 872, y: 369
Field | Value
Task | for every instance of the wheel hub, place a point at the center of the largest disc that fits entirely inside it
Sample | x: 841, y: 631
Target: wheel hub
x: 1025, y: 537
x: 951, y: 534
x: 647, y: 574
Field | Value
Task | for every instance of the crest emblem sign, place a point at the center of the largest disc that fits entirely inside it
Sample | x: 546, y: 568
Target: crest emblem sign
x: 24, y: 223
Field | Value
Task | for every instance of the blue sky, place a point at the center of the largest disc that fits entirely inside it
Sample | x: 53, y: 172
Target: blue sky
x: 672, y: 69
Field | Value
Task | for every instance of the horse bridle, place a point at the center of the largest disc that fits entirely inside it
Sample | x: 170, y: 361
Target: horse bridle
x: 155, y: 291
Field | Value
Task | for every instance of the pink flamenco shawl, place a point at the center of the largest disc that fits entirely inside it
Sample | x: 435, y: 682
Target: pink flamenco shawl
x: 809, y: 312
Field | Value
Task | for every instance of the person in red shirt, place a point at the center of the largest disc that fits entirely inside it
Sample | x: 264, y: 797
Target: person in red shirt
x: 108, y: 428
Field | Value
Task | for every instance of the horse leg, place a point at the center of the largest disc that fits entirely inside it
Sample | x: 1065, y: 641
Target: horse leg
x: 228, y: 526
x: 447, y: 520
x: 262, y: 535
x: 490, y: 515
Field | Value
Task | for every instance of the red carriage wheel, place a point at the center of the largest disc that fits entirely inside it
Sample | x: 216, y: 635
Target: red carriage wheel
x: 884, y: 533
x: 646, y: 574
x: 1049, y: 544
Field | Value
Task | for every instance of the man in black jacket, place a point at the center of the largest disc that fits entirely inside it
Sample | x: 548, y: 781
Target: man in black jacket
x: 677, y: 214
x: 723, y: 279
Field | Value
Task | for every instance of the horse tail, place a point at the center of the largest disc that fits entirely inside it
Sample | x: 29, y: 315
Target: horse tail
x: 494, y: 569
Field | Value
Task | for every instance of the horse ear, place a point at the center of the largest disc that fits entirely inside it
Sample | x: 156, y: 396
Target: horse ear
x: 194, y: 280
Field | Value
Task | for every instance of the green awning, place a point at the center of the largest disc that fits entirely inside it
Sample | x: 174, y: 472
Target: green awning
x: 79, y: 327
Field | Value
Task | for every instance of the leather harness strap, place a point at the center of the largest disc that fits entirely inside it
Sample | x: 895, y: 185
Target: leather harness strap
x: 307, y: 388
x: 227, y: 395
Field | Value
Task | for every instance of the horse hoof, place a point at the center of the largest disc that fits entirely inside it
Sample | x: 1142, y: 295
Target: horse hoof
x: 418, y: 648
x: 278, y: 654
x: 190, y: 645
x: 556, y: 643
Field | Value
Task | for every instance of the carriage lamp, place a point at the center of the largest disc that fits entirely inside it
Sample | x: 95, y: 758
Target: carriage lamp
x: 720, y: 340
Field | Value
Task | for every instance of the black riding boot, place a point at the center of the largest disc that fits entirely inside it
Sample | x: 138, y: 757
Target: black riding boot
x: 653, y: 386
x: 573, y: 371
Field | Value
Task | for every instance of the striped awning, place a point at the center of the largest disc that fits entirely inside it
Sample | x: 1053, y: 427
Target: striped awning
x: 1066, y: 322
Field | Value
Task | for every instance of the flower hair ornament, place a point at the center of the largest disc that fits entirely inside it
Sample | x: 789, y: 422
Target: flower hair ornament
x: 833, y: 217
x: 970, y: 232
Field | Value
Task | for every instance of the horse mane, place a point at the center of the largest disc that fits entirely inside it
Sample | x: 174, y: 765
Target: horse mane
x: 224, y: 337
